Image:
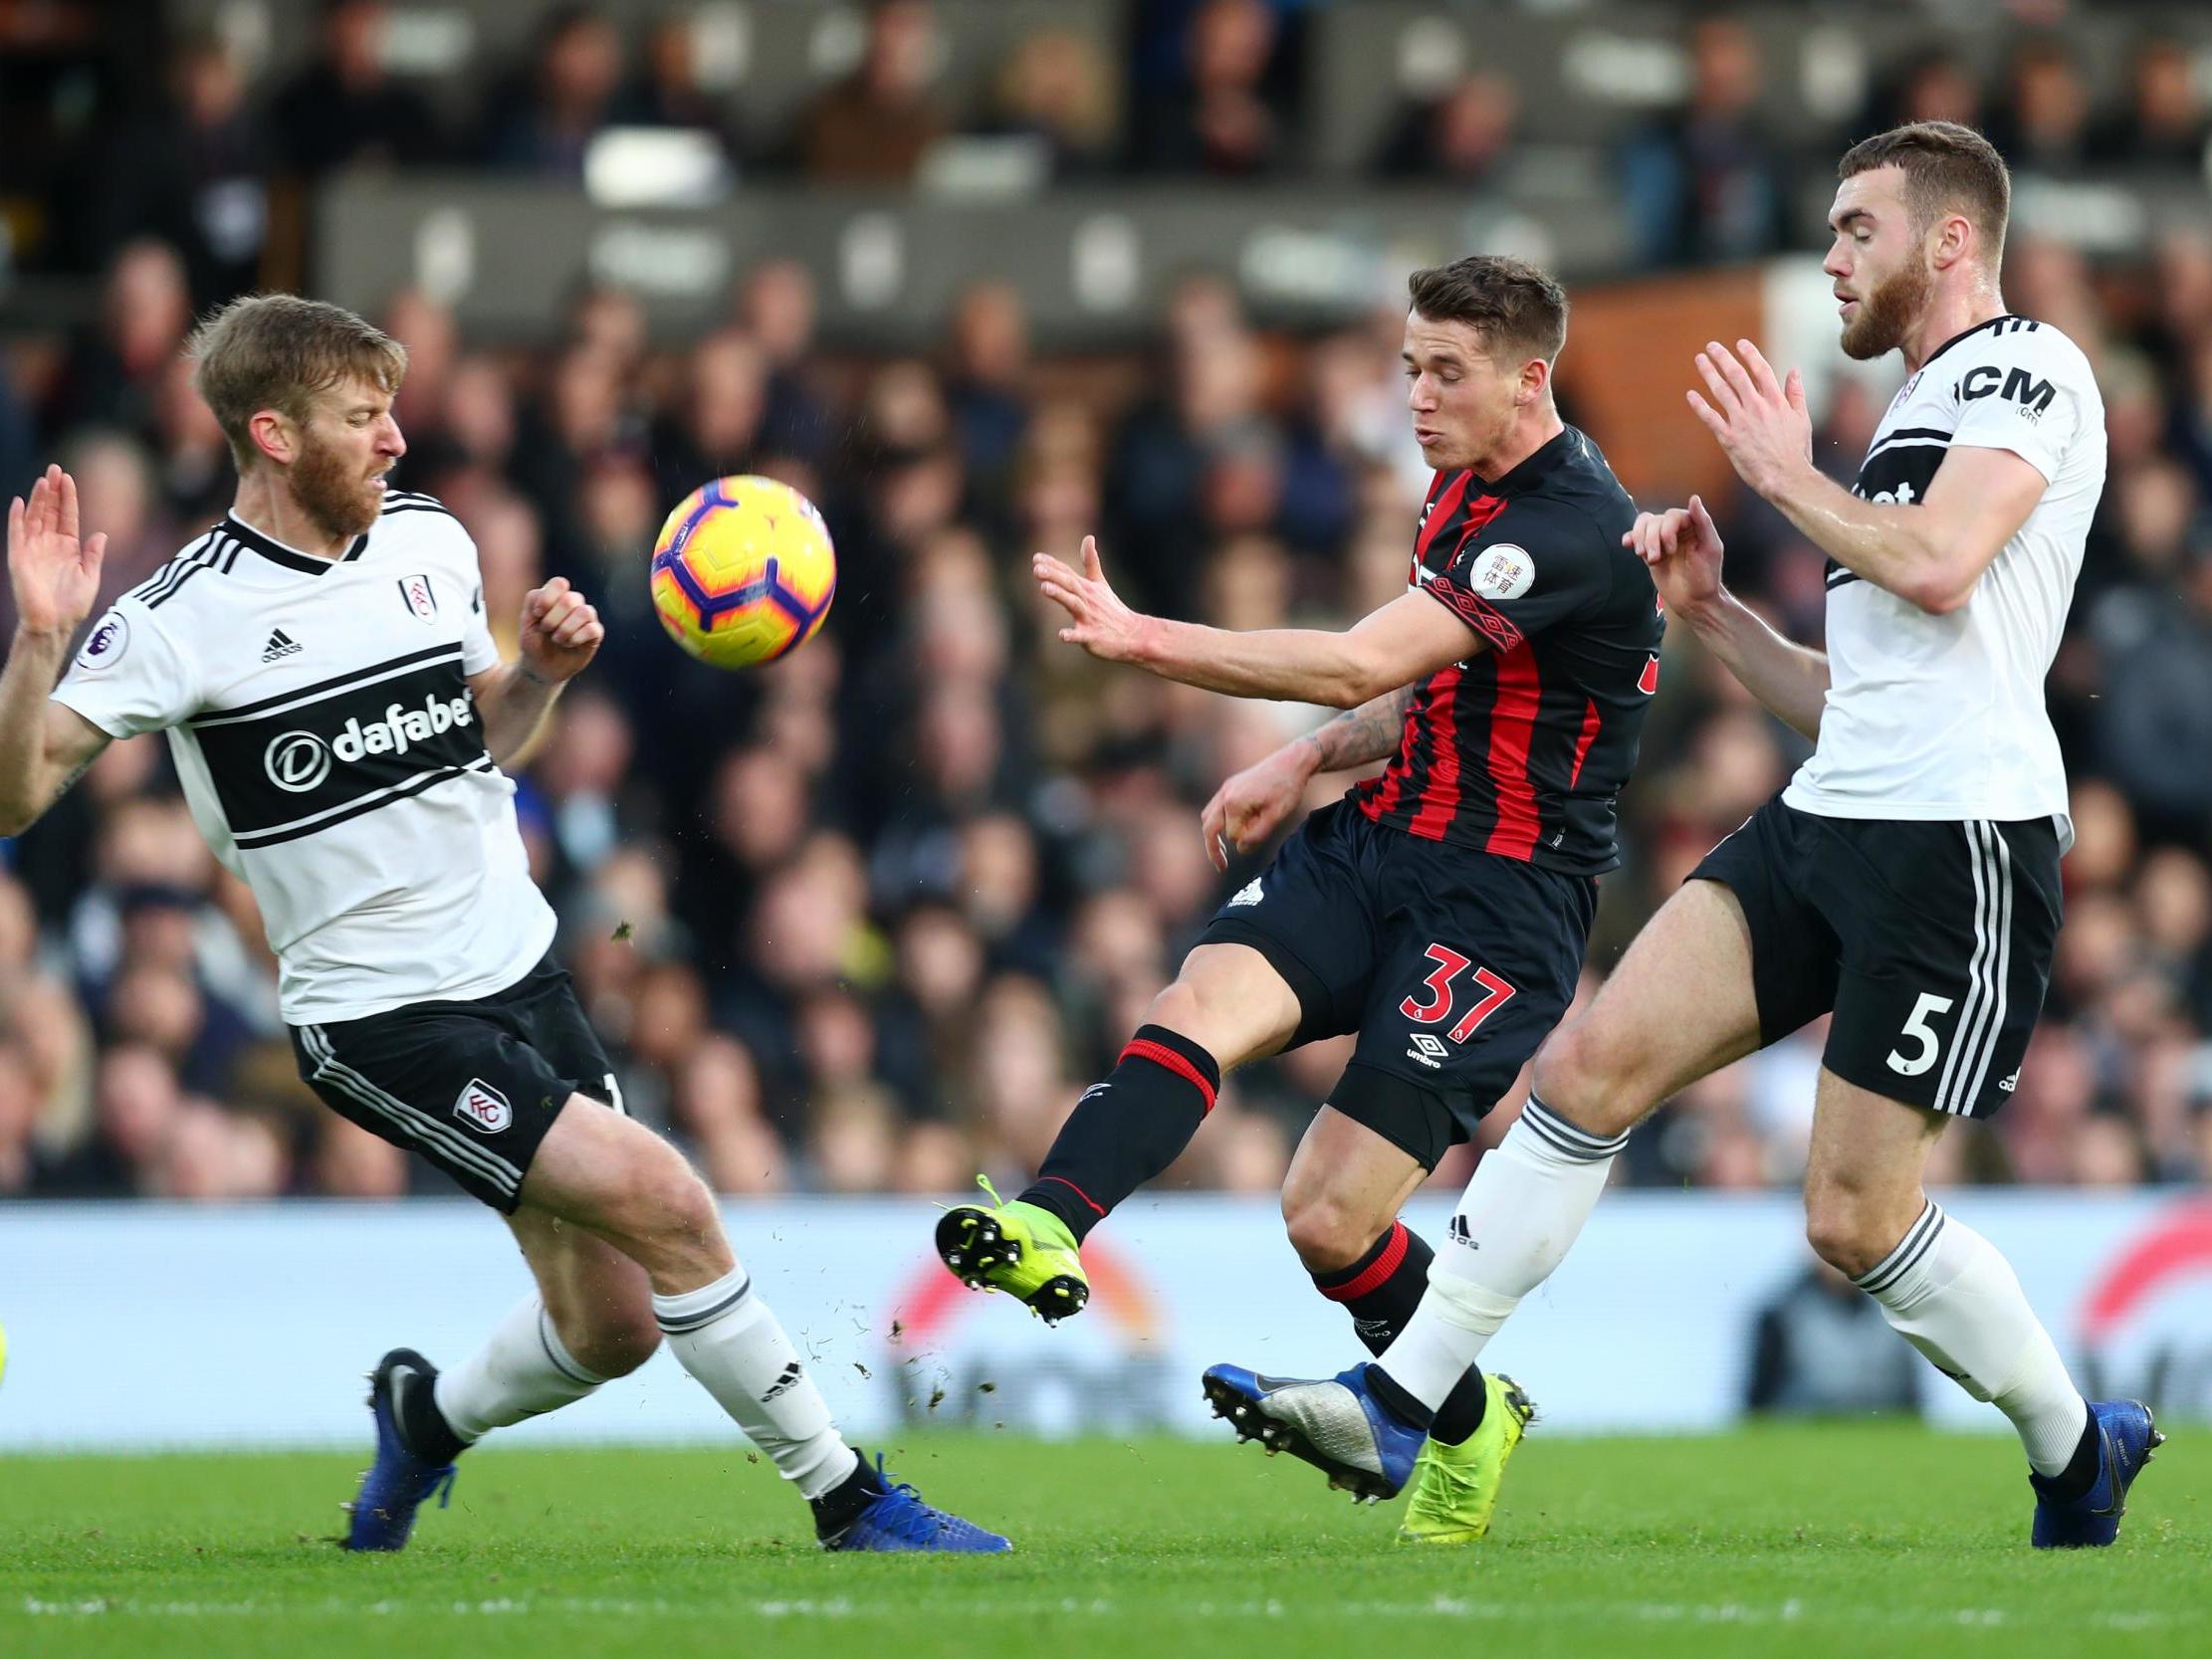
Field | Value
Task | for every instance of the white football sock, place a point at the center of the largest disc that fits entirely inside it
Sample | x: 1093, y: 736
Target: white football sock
x: 729, y: 1339
x: 1947, y: 1292
x: 522, y: 1370
x: 1524, y: 1207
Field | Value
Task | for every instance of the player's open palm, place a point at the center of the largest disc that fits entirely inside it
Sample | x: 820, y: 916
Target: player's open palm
x: 1253, y: 805
x: 1097, y: 619
x: 1683, y: 550
x: 560, y: 632
x: 54, y: 572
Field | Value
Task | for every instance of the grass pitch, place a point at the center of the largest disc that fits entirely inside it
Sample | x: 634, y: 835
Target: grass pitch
x: 1805, y: 1541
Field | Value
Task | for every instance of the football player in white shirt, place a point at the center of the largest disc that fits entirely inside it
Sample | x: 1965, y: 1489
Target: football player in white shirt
x: 454, y: 1034
x: 1906, y: 882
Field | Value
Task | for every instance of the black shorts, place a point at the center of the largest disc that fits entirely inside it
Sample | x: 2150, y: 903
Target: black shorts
x: 1930, y: 942
x: 471, y: 1086
x: 1450, y: 963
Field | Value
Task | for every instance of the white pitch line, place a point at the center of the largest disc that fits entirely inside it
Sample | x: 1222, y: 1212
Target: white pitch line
x: 1445, y: 1608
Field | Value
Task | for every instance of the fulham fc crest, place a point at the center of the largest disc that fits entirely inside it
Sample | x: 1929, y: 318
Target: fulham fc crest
x: 483, y: 1107
x: 416, y: 594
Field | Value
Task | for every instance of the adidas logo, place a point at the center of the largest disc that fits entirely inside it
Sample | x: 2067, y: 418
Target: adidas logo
x: 2007, y: 1084
x: 1248, y: 894
x: 281, y: 644
x: 1457, y: 1228
x: 783, y: 1385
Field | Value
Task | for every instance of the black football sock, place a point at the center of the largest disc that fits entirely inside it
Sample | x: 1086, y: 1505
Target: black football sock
x: 1380, y: 1291
x: 422, y: 1426
x: 1124, y: 1130
x: 840, y: 1506
x: 2081, y: 1471
x: 1406, y: 1407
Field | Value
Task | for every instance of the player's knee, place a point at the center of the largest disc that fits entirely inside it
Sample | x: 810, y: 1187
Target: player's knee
x: 1846, y: 1230
x: 1178, y: 1009
x: 612, y: 1341
x: 1328, y: 1234
x: 656, y: 1195
x: 1587, y: 1078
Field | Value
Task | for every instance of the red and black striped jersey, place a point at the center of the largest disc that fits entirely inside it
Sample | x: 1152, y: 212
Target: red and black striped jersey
x: 1521, y: 748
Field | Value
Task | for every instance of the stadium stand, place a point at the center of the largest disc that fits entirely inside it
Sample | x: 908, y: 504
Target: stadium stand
x: 859, y: 922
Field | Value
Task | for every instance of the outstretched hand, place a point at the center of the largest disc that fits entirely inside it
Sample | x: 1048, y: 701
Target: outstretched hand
x: 1099, y: 622
x: 560, y: 632
x: 1761, y: 422
x: 1683, y: 550
x: 54, y: 573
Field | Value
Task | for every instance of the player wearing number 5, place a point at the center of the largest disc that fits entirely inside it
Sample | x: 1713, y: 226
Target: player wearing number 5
x: 1439, y: 910
x: 1906, y: 881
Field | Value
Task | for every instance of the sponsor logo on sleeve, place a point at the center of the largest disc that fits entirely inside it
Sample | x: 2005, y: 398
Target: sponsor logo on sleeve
x: 105, y: 644
x: 1502, y: 572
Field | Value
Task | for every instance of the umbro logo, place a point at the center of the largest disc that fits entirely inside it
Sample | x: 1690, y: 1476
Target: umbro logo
x: 785, y: 1383
x: 281, y: 644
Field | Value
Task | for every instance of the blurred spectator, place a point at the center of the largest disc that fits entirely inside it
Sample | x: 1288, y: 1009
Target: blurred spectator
x: 545, y: 120
x: 666, y: 91
x: 114, y: 370
x: 1217, y: 118
x: 190, y: 172
x: 1458, y: 137
x: 1821, y: 1347
x: 2167, y: 123
x: 874, y: 126
x: 1709, y: 184
x: 1053, y: 89
x: 2042, y: 124
x: 345, y: 106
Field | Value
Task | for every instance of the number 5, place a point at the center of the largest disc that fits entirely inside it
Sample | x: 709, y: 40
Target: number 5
x: 1916, y: 1027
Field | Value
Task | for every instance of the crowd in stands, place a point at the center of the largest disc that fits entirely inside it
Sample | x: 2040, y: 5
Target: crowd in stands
x: 869, y: 918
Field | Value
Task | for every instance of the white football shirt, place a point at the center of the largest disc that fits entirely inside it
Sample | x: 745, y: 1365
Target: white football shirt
x: 322, y: 723
x: 1943, y: 717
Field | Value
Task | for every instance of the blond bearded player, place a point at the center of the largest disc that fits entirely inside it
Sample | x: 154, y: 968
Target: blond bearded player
x: 338, y: 712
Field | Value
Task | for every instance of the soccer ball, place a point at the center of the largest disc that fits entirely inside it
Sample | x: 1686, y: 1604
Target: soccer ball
x: 742, y: 572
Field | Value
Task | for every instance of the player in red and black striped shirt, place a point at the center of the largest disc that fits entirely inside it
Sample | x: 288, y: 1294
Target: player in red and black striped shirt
x: 1442, y: 910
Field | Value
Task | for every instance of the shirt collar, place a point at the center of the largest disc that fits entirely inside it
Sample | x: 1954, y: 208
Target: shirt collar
x: 276, y: 552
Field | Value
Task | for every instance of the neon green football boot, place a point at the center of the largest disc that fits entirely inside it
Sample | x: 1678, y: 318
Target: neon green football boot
x: 1455, y: 1488
x: 1019, y: 1248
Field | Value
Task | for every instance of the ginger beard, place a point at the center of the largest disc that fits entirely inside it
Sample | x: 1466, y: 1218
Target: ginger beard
x: 1887, y: 311
x: 337, y: 497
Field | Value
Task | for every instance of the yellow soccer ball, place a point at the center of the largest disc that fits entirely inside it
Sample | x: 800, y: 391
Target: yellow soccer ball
x: 742, y: 572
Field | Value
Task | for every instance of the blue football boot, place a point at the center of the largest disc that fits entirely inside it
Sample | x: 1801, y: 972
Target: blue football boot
x: 398, y: 1482
x: 2127, y: 1439
x: 898, y: 1520
x: 1336, y: 1425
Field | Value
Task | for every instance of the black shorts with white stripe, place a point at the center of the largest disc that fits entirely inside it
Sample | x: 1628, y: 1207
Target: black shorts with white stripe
x: 472, y: 1086
x: 1930, y: 942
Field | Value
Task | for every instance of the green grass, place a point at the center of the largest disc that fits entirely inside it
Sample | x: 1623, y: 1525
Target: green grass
x: 1858, y: 1541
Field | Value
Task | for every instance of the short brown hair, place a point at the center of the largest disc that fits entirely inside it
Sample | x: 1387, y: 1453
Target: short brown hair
x: 277, y: 352
x: 1513, y: 305
x: 1947, y: 168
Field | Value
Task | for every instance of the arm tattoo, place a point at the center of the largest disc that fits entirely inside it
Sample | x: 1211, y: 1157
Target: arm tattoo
x: 1368, y: 732
x: 83, y: 767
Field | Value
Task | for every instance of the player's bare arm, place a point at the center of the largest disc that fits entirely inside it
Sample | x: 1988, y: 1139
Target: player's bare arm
x: 1929, y: 553
x: 43, y: 747
x: 1252, y: 804
x: 1399, y: 644
x: 1685, y: 550
x: 561, y: 633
